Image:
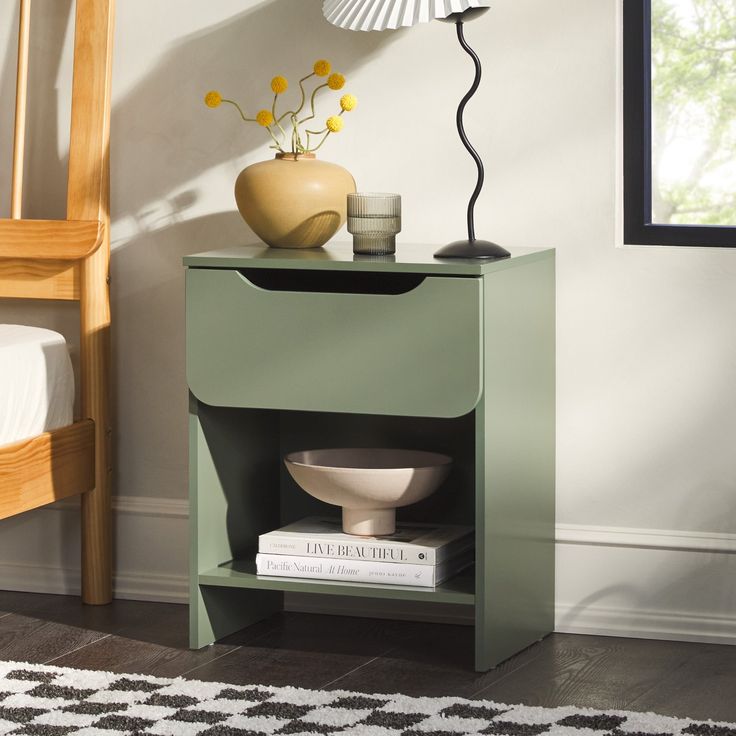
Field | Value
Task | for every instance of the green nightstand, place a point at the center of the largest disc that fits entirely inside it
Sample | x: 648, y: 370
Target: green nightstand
x: 292, y: 350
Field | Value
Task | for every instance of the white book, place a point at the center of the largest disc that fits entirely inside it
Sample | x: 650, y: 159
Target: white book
x: 418, y: 544
x: 360, y: 571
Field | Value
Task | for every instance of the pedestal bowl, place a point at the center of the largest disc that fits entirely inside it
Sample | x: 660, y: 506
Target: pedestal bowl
x: 368, y: 483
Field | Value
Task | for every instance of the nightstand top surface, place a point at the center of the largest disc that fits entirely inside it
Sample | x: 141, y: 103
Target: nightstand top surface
x: 335, y: 256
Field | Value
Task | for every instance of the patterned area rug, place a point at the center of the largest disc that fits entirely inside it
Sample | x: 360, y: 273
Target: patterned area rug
x: 37, y: 700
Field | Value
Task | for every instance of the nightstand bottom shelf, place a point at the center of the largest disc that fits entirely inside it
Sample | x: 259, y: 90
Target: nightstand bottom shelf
x: 460, y: 589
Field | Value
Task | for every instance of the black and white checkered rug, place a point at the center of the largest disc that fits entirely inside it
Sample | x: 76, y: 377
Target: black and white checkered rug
x: 38, y: 700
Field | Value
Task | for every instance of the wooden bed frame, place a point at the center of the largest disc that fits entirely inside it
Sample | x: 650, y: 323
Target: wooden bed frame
x: 69, y: 259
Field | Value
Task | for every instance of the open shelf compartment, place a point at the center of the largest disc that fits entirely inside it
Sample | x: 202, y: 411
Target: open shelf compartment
x: 244, y: 490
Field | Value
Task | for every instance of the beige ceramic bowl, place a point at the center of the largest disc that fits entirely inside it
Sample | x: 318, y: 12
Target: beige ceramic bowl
x: 369, y: 484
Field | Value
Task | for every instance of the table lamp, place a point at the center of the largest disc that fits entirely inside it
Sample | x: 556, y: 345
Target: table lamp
x: 379, y: 15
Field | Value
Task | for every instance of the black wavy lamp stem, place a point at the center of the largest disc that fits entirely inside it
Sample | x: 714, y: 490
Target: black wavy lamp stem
x: 461, y: 128
x: 472, y: 247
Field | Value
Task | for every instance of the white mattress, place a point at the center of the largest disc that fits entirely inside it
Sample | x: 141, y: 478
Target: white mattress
x: 36, y: 382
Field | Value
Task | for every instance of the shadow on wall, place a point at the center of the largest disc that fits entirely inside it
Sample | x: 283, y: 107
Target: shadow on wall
x: 148, y: 370
x: 162, y: 134
x: 164, y: 123
x: 163, y: 142
x: 45, y: 170
x: 7, y: 92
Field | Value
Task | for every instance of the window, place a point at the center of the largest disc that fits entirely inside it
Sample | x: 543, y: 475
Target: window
x: 680, y: 122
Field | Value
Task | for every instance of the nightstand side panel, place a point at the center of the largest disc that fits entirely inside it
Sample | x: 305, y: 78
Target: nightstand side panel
x: 515, y: 464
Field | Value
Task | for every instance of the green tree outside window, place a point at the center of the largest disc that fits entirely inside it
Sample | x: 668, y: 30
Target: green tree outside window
x: 694, y: 112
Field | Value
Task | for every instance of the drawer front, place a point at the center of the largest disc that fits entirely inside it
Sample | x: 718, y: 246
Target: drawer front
x: 416, y: 353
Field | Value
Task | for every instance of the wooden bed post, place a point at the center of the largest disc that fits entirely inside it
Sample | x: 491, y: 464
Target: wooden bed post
x: 21, y: 93
x: 95, y: 367
x: 89, y: 199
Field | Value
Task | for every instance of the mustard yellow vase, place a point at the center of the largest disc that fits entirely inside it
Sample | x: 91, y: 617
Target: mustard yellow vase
x: 295, y: 200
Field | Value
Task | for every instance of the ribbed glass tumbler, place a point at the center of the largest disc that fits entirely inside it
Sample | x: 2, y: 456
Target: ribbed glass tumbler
x: 374, y: 219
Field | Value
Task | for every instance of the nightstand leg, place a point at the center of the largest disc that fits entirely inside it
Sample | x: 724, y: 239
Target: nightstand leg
x: 217, y: 612
x: 515, y: 465
x: 233, y: 471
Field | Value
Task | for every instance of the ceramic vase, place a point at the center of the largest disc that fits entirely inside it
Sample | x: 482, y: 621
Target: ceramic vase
x: 294, y: 200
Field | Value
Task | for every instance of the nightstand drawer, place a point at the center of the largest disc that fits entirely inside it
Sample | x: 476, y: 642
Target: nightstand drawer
x: 261, y: 342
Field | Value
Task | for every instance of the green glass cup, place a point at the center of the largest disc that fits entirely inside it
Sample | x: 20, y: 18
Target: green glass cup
x: 374, y: 220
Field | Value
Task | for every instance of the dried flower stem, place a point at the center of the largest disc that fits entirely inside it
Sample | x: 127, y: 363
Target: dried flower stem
x: 311, y: 103
x: 237, y: 107
x: 303, y: 98
x: 278, y: 120
x: 319, y: 145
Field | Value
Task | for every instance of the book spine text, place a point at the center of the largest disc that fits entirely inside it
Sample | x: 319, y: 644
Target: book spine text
x: 354, y: 571
x: 357, y: 551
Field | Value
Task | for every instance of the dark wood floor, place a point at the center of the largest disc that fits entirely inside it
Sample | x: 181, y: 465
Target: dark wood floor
x: 696, y: 680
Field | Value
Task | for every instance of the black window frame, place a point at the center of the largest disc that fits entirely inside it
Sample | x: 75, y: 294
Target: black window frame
x: 638, y: 226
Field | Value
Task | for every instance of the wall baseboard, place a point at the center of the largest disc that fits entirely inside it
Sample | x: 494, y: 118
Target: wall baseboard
x: 151, y: 549
x: 646, y: 583
x: 646, y: 624
x: 663, y: 539
x: 136, y: 586
x: 640, y: 583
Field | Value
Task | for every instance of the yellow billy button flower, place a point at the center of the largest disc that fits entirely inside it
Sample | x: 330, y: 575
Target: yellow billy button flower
x: 336, y: 81
x: 279, y: 84
x: 348, y: 102
x: 334, y: 123
x: 264, y: 118
x: 322, y: 67
x: 213, y: 98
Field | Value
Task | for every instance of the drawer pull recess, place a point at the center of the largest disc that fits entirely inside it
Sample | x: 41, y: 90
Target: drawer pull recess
x: 332, y: 282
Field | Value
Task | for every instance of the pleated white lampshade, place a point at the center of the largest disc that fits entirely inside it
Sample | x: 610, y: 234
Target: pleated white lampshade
x: 378, y: 15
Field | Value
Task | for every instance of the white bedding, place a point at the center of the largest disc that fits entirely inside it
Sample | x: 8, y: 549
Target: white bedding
x: 36, y: 382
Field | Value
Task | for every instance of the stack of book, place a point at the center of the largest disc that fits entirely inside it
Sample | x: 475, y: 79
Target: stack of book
x: 416, y: 554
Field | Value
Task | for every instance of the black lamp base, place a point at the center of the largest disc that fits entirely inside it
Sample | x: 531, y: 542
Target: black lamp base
x: 473, y: 249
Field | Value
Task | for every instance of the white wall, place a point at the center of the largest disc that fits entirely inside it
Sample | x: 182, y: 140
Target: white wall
x: 646, y: 343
